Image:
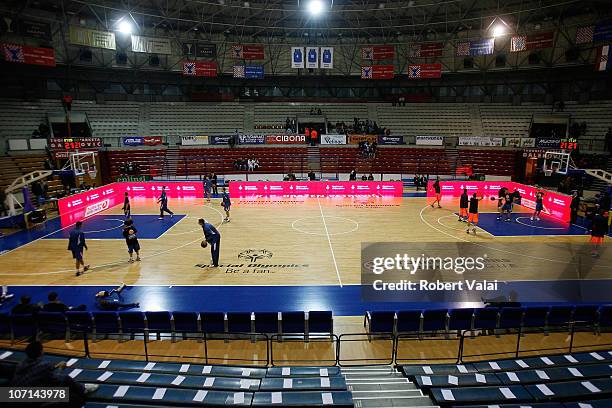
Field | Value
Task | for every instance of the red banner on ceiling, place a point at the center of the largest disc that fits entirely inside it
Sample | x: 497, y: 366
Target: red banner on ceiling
x: 377, y: 72
x: 248, y: 52
x: 378, y: 52
x: 24, y: 54
x: 425, y: 71
x: 542, y: 40
x: 200, y: 68
x: 425, y: 50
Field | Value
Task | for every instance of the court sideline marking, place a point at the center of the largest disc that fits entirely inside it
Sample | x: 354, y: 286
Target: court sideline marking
x: 331, y: 248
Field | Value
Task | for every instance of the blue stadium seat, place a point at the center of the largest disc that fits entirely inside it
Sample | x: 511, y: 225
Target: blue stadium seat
x: 473, y: 395
x: 585, y: 314
x: 213, y: 322
x: 23, y: 325
x: 460, y: 319
x: 602, y: 403
x: 5, y: 324
x: 574, y: 390
x: 510, y: 317
x: 486, y: 318
x: 426, y: 382
x: 159, y: 322
x: 412, y: 371
x: 320, y: 322
x: 337, y: 399
x: 132, y: 323
x: 105, y: 323
x: 560, y: 315
x: 266, y: 322
x: 185, y: 323
x: 381, y: 321
x: 78, y: 322
x: 336, y: 383
x: 293, y: 322
x: 54, y: 323
x: 302, y: 371
x: 239, y: 322
x: 435, y: 319
x: 535, y: 316
x: 605, y: 316
x: 407, y: 321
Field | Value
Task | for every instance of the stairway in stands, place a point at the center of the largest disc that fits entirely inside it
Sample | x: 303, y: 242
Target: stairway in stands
x: 381, y: 387
x: 598, y: 183
x: 452, y: 157
x: 314, y: 158
x: 171, y: 162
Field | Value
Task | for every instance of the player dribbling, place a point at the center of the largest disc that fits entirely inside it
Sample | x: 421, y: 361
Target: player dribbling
x: 473, y: 213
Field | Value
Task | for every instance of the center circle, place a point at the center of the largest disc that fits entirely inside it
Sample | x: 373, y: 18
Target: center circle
x: 335, y: 225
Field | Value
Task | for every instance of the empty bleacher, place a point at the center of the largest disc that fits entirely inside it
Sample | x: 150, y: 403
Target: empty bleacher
x: 190, y: 119
x: 505, y: 120
x: 497, y: 162
x: 426, y: 119
x: 268, y: 114
x: 149, y: 162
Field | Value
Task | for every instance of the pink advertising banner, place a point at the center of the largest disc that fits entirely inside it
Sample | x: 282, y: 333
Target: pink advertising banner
x: 555, y: 204
x: 79, y: 206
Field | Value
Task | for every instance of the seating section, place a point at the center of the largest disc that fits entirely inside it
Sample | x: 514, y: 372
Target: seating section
x: 426, y: 119
x: 129, y: 383
x: 149, y: 162
x: 275, y: 114
x: 128, y: 323
x: 490, y: 318
x: 190, y: 119
x: 503, y: 120
x: 498, y: 162
x: 387, y: 160
x: 578, y: 378
x: 197, y: 161
x: 15, y: 166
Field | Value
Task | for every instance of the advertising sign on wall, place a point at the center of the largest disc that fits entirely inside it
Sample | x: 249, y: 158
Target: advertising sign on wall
x: 316, y: 188
x: 142, y: 141
x: 482, y: 141
x: 356, y: 139
x: 194, y: 140
x: 430, y: 140
x: 391, y: 140
x: 251, y: 139
x: 285, y: 139
x: 218, y: 140
x: 333, y: 139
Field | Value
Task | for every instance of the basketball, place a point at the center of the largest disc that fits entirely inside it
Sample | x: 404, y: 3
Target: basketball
x: 204, y: 244
x: 493, y: 198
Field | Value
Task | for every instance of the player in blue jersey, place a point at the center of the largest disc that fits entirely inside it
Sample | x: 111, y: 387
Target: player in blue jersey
x: 212, y: 237
x: 76, y: 244
x: 539, y: 206
x: 207, y: 188
x: 163, y: 204
x: 226, y: 203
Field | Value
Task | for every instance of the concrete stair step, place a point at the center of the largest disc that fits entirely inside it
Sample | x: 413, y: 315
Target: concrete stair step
x: 395, y: 402
x: 387, y: 387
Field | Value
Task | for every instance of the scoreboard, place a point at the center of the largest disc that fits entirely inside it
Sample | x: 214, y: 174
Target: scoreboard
x: 73, y: 144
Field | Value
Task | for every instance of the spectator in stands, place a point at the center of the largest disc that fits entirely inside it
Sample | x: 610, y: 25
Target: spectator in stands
x: 213, y: 178
x: 255, y: 164
x: 105, y: 300
x: 25, y: 306
x: 370, y: 177
x: 56, y: 305
x: 319, y: 111
x: 353, y: 175
x: 313, y: 137
x: 311, y: 175
x: 35, y: 372
x: 417, y: 182
x: 364, y: 178
x: 37, y: 191
x: 231, y: 141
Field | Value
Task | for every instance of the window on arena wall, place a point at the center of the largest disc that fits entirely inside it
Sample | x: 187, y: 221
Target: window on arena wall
x: 476, y: 91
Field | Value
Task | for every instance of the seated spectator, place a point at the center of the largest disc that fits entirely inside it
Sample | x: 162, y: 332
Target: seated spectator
x: 370, y: 177
x: 364, y: 178
x: 25, y: 307
x: 311, y: 175
x: 35, y: 372
x: 105, y: 300
x: 353, y: 175
x: 56, y: 305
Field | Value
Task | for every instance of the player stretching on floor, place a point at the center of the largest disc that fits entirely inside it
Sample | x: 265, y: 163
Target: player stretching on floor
x: 473, y: 213
x: 463, y: 206
x: 226, y: 203
x: 163, y: 204
x: 127, y: 210
x: 76, y: 243
x: 539, y: 205
x: 436, y: 186
x: 599, y: 229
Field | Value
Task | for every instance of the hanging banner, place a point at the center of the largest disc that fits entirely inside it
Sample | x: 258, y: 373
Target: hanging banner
x: 512, y: 142
x: 248, y: 52
x: 92, y: 38
x: 312, y: 57
x: 24, y: 54
x: 194, y: 140
x: 602, y: 32
x: 377, y: 72
x: 391, y: 140
x: 426, y: 50
x: 198, y: 50
x: 200, y: 68
x: 297, y: 57
x: 378, y: 52
x: 424, y: 71
x: 219, y: 140
x: 481, y: 141
x: 602, y: 61
x: 356, y: 139
x: 251, y: 139
x: 333, y: 139
x: 285, y: 139
x: 327, y: 57
x: 485, y: 46
x: 548, y: 143
x: 430, y: 140
x: 248, y: 71
x: 35, y: 29
x: 531, y: 42
x: 151, y: 45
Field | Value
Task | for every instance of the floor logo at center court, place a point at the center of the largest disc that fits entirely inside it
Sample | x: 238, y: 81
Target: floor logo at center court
x: 254, y: 255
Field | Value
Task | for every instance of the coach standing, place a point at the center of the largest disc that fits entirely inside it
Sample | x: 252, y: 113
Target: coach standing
x: 212, y: 236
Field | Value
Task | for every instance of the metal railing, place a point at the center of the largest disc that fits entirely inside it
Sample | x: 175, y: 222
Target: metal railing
x: 374, y: 348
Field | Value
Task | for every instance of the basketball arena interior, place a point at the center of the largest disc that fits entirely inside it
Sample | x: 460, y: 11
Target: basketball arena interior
x: 305, y: 203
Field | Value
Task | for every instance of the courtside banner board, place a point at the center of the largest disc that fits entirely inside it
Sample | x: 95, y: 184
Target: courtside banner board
x: 356, y: 139
x: 333, y: 139
x: 430, y: 140
x: 194, y: 140
x: 482, y: 141
x: 285, y: 139
x: 251, y: 139
x: 391, y: 140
